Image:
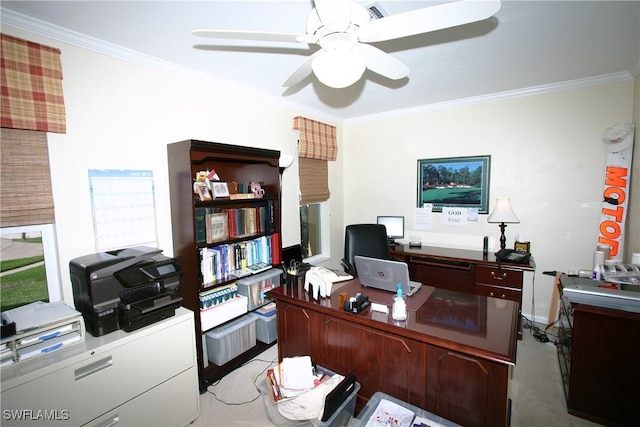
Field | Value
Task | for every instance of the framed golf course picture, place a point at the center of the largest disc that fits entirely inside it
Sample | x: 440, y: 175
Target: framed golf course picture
x: 454, y: 182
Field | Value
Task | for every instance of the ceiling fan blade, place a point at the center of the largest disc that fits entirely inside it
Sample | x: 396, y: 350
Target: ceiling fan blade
x: 253, y: 35
x: 301, y: 72
x: 382, y: 63
x: 335, y: 15
x: 428, y: 19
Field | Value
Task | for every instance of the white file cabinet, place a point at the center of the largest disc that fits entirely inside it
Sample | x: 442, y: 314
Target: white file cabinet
x: 147, y: 377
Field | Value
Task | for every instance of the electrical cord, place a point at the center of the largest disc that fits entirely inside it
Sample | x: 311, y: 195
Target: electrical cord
x: 538, y: 334
x: 535, y: 331
x: 260, y: 374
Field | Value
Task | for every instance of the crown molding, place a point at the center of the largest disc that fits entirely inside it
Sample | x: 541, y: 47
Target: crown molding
x: 54, y: 32
x: 500, y: 96
x: 64, y: 35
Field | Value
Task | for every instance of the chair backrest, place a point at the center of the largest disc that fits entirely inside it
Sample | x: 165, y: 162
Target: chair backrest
x: 366, y: 240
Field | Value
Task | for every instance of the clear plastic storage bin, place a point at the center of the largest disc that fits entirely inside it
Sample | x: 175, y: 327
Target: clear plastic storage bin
x: 266, y: 328
x: 231, y: 339
x: 421, y: 415
x: 255, y: 287
x: 341, y: 417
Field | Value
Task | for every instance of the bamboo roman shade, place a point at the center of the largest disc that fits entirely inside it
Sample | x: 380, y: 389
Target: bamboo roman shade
x: 317, y: 145
x: 25, y: 179
x: 31, y: 94
x: 314, y: 181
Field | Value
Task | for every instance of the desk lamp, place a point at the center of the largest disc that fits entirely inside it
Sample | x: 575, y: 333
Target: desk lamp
x: 503, y: 214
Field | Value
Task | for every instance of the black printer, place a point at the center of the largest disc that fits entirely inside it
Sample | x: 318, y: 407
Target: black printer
x: 125, y: 289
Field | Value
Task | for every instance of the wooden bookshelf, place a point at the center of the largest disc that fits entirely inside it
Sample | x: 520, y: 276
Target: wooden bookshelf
x: 250, y: 219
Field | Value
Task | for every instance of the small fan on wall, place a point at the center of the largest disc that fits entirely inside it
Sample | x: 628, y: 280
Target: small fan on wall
x: 343, y: 29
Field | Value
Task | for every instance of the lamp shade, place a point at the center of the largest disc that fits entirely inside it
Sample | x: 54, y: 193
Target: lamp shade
x: 285, y: 160
x: 502, y: 212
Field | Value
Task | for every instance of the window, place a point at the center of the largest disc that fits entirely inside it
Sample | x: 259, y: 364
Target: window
x: 32, y: 104
x: 29, y: 266
x: 316, y: 146
x: 314, y: 208
x: 313, y: 236
x: 310, y: 229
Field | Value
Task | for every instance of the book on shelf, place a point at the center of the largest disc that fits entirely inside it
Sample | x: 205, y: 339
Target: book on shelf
x: 242, y: 196
x: 266, y: 310
x: 201, y: 228
x: 259, y: 267
x: 217, y: 296
x: 217, y: 226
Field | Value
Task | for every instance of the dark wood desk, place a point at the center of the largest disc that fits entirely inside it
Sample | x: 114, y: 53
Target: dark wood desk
x: 451, y: 357
x: 465, y: 271
x: 597, y: 351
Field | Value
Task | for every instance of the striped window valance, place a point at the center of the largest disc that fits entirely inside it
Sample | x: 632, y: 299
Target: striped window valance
x: 31, y: 95
x: 317, y: 139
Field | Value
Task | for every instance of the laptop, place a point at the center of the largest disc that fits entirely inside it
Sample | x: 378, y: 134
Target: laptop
x: 385, y: 274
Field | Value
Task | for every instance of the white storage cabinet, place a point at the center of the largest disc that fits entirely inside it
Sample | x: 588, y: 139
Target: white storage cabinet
x: 147, y: 377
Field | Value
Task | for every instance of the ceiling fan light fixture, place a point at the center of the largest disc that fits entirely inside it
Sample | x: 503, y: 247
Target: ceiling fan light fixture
x: 339, y: 68
x: 343, y: 29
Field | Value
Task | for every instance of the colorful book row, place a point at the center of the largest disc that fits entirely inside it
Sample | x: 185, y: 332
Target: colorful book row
x: 234, y: 260
x: 215, y: 225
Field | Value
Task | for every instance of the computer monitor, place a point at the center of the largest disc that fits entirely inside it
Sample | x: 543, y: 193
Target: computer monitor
x: 394, y: 226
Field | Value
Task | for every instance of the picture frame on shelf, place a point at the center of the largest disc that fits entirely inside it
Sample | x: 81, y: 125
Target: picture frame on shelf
x: 217, y: 227
x: 219, y: 189
x: 454, y: 182
x: 203, y: 191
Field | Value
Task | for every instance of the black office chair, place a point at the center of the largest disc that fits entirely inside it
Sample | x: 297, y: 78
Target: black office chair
x: 365, y: 240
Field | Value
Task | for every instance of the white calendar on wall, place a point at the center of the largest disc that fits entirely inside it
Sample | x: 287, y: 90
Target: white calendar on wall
x: 123, y: 206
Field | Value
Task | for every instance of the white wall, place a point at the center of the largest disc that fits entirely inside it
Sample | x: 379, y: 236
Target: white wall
x: 546, y: 155
x: 632, y: 238
x: 122, y: 115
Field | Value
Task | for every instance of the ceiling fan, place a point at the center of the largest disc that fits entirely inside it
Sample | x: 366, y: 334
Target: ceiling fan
x: 343, y: 29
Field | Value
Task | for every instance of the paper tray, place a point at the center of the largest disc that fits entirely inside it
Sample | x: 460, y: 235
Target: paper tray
x: 48, y: 346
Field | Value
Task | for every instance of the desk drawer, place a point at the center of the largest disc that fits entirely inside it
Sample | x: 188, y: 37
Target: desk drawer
x: 453, y: 275
x: 499, y: 277
x: 105, y: 379
x: 498, y: 292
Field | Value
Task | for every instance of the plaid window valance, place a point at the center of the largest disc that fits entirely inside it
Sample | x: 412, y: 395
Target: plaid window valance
x: 31, y: 93
x: 317, y: 140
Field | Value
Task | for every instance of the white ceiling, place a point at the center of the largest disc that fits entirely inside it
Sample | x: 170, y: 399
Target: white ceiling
x: 527, y: 46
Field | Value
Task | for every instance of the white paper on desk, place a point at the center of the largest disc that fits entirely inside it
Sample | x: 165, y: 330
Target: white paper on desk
x: 422, y: 217
x: 296, y: 372
x: 321, y: 281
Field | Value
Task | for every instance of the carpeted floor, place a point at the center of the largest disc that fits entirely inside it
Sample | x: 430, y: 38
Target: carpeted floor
x: 535, y: 389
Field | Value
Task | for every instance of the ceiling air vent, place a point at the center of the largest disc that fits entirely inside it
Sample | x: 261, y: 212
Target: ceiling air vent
x: 376, y: 11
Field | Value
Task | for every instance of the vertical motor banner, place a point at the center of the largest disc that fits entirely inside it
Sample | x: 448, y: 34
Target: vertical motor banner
x: 618, y: 141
